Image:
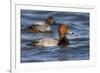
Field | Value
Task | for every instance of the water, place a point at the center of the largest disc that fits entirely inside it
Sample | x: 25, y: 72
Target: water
x: 79, y: 41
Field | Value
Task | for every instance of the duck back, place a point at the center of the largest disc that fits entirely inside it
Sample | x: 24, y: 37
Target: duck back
x: 46, y: 42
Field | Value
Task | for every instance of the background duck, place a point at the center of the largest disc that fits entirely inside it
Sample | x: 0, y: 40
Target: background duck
x: 48, y: 42
x: 42, y: 26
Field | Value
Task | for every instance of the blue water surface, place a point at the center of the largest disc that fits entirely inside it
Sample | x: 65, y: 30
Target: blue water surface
x: 78, y: 48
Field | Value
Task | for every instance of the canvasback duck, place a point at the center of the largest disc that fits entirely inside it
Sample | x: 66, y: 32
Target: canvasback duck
x: 40, y: 26
x: 49, y: 42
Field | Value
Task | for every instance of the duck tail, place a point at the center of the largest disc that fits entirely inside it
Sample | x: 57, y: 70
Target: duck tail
x: 34, y: 43
x: 28, y: 28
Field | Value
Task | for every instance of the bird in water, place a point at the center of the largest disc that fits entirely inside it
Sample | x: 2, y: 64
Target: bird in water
x: 42, y: 26
x: 63, y: 31
x: 49, y: 42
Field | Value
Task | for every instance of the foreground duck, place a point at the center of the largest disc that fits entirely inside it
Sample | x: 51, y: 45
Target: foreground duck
x: 42, y: 26
x: 49, y: 42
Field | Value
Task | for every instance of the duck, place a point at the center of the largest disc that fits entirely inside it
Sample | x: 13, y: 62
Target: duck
x: 63, y: 41
x: 42, y: 26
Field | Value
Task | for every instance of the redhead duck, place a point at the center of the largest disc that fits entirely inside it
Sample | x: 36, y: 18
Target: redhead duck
x: 62, y: 31
x: 49, y: 42
x: 42, y: 26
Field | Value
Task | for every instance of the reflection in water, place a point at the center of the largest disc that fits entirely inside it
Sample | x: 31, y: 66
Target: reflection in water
x: 62, y: 57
